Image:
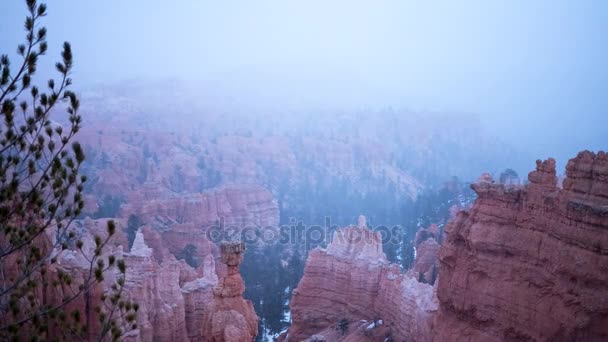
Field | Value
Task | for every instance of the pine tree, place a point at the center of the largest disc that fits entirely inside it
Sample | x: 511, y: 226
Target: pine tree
x: 343, y: 326
x: 40, y: 196
x: 508, y: 175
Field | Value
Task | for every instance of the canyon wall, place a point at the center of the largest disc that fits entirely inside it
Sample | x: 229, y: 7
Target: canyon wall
x: 529, y: 263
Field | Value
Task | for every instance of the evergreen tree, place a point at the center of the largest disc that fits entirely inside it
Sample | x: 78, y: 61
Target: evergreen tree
x: 295, y: 269
x: 508, y: 175
x: 40, y: 195
x: 188, y: 254
x: 343, y: 326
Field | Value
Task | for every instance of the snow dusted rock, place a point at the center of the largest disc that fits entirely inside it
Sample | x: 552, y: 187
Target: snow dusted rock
x: 357, y: 243
x: 139, y: 247
x: 529, y: 263
x: 406, y: 306
x: 352, y: 280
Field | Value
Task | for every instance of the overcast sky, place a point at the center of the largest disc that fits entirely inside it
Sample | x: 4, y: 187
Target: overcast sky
x: 535, y: 71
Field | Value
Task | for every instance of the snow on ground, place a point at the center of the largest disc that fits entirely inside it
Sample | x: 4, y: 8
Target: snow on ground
x: 287, y: 313
x: 374, y: 324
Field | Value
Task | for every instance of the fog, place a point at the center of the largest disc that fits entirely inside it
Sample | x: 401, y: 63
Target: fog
x: 535, y: 72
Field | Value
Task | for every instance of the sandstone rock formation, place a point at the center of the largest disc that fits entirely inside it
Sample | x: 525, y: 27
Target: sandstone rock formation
x: 352, y: 280
x: 156, y: 288
x: 175, y: 302
x: 230, y: 318
x: 201, y: 301
x: 529, y: 263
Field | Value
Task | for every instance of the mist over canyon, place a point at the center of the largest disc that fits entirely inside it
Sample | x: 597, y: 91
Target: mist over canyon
x: 179, y: 184
x: 303, y: 171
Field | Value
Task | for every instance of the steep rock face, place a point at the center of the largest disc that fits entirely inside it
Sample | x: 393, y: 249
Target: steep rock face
x: 352, y: 280
x: 529, y: 263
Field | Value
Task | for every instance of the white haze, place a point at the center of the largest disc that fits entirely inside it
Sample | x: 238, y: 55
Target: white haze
x: 534, y: 71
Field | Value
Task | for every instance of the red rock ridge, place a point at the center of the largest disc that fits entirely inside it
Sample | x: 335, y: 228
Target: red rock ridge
x: 529, y: 263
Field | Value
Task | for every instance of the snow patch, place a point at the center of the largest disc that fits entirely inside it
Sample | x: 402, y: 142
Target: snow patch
x: 374, y: 324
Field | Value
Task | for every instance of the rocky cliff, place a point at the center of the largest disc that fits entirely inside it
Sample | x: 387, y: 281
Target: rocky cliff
x: 351, y: 281
x: 529, y: 263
